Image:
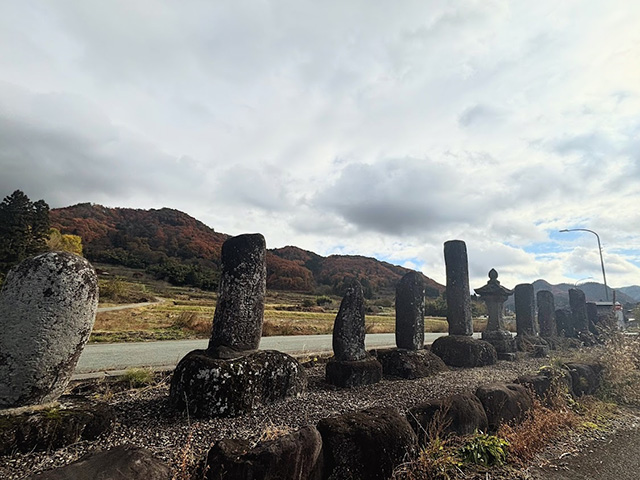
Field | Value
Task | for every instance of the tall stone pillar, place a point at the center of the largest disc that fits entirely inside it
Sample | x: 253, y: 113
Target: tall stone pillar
x: 458, y: 292
x: 578, y: 304
x: 410, y: 312
x: 525, y: 310
x: 546, y: 314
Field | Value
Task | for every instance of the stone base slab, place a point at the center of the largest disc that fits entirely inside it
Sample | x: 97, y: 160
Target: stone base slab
x: 349, y: 374
x: 501, y: 340
x: 212, y: 387
x: 409, y: 364
x: 464, y: 351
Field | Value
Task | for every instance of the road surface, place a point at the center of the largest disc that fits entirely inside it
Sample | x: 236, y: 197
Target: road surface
x: 119, y: 356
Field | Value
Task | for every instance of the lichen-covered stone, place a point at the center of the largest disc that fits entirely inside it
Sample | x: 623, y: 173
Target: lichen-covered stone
x: 124, y: 462
x: 504, y: 403
x: 579, y: 319
x: 366, y: 445
x: 461, y: 414
x: 350, y: 374
x: 237, y: 321
x: 458, y: 299
x: 501, y: 340
x: 293, y: 456
x: 205, y: 386
x: 409, y: 364
x: 464, y: 351
x: 348, y: 328
x: 586, y: 378
x: 546, y: 314
x: 53, y: 427
x: 525, y: 305
x: 48, y: 305
x: 410, y: 312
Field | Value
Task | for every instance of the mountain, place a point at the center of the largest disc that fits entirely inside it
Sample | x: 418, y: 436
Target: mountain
x: 593, y: 291
x: 632, y: 291
x: 177, y: 247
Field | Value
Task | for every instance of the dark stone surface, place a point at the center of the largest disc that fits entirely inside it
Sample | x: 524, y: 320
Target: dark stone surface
x: 409, y: 364
x: 501, y: 340
x: 458, y: 298
x: 548, y: 383
x: 578, y: 303
x: 585, y: 378
x: 366, y: 445
x: 124, y: 462
x: 54, y: 427
x: 348, y: 328
x: 507, y: 357
x: 463, y: 351
x: 460, y: 414
x: 494, y: 296
x: 237, y: 322
x: 504, y: 403
x: 532, y: 344
x: 350, y: 374
x: 526, y: 323
x: 546, y: 314
x: 592, y: 317
x: 293, y: 456
x: 410, y: 312
x: 48, y: 305
x: 211, y: 387
x: 564, y: 323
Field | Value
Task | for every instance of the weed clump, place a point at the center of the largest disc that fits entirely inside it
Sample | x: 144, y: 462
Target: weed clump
x: 137, y: 377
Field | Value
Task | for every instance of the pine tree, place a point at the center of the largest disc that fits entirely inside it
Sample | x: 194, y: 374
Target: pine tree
x: 24, y: 229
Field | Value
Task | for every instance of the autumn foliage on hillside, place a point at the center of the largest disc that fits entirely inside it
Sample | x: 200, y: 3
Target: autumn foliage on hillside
x: 184, y: 251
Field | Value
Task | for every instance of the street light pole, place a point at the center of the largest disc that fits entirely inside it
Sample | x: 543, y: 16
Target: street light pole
x: 604, y: 276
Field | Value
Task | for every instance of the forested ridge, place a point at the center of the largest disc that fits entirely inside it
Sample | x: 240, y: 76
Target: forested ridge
x: 177, y: 247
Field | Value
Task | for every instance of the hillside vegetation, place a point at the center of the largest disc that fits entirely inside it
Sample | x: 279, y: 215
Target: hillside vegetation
x: 176, y: 247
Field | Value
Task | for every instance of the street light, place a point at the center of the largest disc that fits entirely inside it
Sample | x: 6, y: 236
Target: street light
x: 604, y: 276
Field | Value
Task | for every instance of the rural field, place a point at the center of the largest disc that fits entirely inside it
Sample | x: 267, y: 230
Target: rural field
x: 174, y: 313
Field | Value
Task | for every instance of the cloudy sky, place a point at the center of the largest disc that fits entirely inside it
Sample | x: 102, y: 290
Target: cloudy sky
x: 362, y: 127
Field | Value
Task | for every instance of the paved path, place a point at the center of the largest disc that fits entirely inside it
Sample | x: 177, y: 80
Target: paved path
x: 119, y: 356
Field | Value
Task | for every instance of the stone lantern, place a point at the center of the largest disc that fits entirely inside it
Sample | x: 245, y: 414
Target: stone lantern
x: 494, y: 296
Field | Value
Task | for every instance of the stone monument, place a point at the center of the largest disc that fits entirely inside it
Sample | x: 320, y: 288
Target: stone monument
x: 410, y: 360
x: 494, y: 296
x: 578, y: 304
x: 232, y: 377
x: 459, y: 349
x: 527, y: 338
x: 351, y: 365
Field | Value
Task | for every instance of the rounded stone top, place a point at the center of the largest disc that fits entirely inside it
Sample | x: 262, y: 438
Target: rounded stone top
x: 493, y: 274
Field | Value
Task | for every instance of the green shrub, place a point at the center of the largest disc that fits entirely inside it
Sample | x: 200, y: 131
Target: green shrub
x: 323, y: 300
x: 483, y: 449
x: 137, y: 377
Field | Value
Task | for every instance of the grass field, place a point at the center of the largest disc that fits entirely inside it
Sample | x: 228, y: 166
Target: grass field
x: 186, y: 313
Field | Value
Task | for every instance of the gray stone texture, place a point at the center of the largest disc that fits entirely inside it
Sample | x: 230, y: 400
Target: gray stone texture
x: 504, y: 403
x: 464, y: 351
x: 351, y: 374
x: 501, y: 340
x: 564, y: 323
x: 458, y: 292
x: 237, y: 322
x: 409, y: 364
x: 546, y: 314
x: 578, y: 304
x: 526, y: 323
x: 494, y: 296
x: 124, y: 462
x: 410, y: 312
x: 366, y: 445
x: 208, y: 387
x: 592, y: 316
x: 294, y: 456
x: 349, y: 328
x: 48, y: 305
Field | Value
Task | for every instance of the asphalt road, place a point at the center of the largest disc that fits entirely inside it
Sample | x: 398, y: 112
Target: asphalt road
x: 119, y: 356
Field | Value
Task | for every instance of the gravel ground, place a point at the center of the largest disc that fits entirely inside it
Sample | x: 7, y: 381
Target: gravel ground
x: 144, y: 418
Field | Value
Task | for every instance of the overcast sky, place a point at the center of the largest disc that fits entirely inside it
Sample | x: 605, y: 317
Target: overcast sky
x: 366, y: 127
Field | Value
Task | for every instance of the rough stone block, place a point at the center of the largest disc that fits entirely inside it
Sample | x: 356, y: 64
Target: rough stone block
x: 547, y: 383
x: 409, y: 364
x: 124, y: 462
x: 460, y: 414
x: 504, y: 403
x: 349, y: 374
x: 507, y: 357
x: 585, y: 378
x: 294, y: 456
x: 501, y: 340
x: 463, y: 351
x: 210, y: 387
x: 366, y: 445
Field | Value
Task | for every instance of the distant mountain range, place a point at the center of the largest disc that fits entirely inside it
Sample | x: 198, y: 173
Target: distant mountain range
x: 593, y: 291
x: 177, y: 247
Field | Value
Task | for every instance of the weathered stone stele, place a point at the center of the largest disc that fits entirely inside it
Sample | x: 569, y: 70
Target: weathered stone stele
x: 578, y: 304
x: 525, y: 310
x: 232, y: 377
x: 48, y: 305
x: 351, y: 366
x: 546, y: 314
x: 237, y: 322
x: 494, y: 296
x: 458, y: 292
x: 410, y: 312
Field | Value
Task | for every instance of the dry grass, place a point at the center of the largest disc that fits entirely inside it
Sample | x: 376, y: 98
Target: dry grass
x: 620, y: 358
